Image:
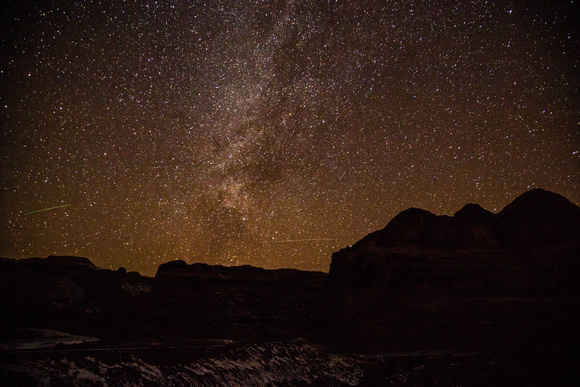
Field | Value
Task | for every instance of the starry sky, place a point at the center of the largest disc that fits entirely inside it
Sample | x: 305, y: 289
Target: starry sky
x: 273, y: 133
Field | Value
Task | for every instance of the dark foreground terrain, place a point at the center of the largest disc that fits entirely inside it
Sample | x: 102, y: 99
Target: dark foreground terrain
x: 473, y: 299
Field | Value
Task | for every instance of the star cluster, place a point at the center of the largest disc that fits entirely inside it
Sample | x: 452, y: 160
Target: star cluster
x: 273, y: 133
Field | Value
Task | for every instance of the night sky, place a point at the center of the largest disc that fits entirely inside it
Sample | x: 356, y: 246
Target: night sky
x: 273, y: 133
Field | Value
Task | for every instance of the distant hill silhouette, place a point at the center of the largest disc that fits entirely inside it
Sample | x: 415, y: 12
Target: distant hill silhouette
x: 177, y: 276
x: 417, y: 246
x: 536, y: 218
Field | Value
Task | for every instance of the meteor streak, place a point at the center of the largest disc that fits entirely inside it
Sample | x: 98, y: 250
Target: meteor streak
x: 46, y: 209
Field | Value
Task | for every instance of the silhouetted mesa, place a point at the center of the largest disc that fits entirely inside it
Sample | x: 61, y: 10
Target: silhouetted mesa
x: 539, y: 224
x: 536, y: 218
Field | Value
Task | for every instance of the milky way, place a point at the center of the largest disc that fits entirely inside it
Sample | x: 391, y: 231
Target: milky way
x: 273, y: 133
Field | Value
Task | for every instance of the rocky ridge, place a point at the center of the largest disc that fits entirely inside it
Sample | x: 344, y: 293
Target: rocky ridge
x: 536, y: 218
x: 473, y: 249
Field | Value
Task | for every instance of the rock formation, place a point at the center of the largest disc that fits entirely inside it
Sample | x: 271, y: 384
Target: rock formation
x: 430, y: 248
x: 39, y: 290
x: 536, y: 218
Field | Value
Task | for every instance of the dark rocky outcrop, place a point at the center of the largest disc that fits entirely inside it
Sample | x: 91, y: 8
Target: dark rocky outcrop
x: 179, y: 277
x: 528, y: 250
x: 506, y: 277
x: 36, y: 291
x: 474, y: 226
x: 70, y: 262
x: 536, y: 218
x: 474, y: 253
